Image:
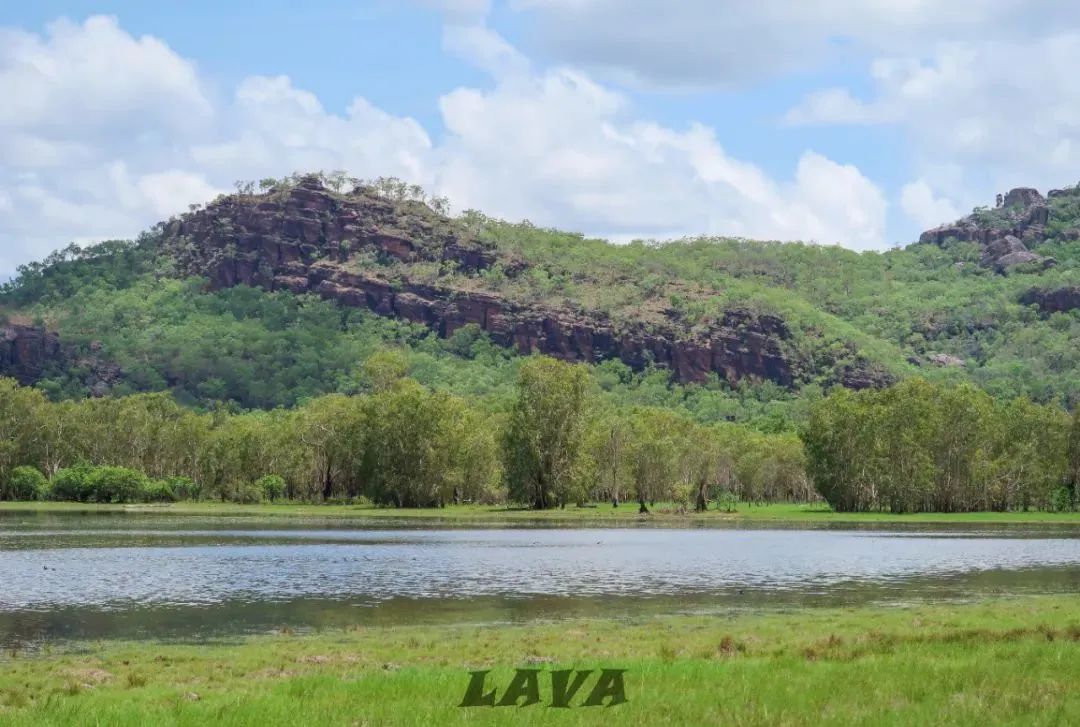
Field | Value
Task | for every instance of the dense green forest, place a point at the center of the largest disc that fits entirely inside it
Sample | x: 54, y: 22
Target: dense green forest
x: 174, y: 389
x: 396, y: 443
x: 914, y: 447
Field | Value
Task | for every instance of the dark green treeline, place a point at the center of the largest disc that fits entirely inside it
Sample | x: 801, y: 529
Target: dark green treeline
x: 914, y: 447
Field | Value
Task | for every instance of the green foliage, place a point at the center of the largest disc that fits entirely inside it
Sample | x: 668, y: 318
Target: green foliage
x: 1063, y: 499
x: 272, y: 487
x: 922, y: 447
x: 248, y: 494
x: 24, y: 483
x: 182, y: 488
x: 225, y: 388
x: 116, y: 484
x: 72, y: 484
x: 542, y: 442
x: 159, y: 491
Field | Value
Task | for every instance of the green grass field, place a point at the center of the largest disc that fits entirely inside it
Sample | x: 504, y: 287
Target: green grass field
x: 604, y: 513
x: 1009, y: 661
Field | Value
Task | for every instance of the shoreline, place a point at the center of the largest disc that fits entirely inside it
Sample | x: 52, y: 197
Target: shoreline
x: 780, y: 514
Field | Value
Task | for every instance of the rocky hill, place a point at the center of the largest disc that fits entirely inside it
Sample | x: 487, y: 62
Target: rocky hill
x: 993, y: 298
x: 1006, y: 233
x: 311, y: 239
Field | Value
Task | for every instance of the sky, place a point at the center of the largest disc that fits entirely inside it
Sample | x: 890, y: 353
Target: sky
x: 850, y: 122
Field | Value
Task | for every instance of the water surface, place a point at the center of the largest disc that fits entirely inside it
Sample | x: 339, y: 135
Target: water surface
x: 74, y: 575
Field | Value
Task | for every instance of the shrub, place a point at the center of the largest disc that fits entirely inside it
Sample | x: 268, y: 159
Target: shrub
x: 184, y: 488
x: 727, y: 502
x: 116, y: 484
x: 158, y: 491
x: 71, y: 484
x: 25, y: 483
x: 248, y: 494
x: 1062, y: 499
x: 271, y: 486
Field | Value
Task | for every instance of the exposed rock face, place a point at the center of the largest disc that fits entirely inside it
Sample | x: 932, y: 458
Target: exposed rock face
x: 1053, y: 301
x: 30, y: 353
x: 25, y: 351
x: 743, y: 346
x: 944, y: 359
x: 254, y: 240
x: 306, y: 239
x: 1024, y: 197
x: 1005, y: 233
x: 1006, y: 252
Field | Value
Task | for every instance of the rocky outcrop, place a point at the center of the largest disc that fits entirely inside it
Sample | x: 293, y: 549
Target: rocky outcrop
x: 945, y: 360
x: 253, y: 239
x: 1058, y: 300
x: 26, y: 351
x: 1006, y: 252
x: 1006, y: 233
x: 742, y: 346
x: 311, y: 240
x: 29, y: 353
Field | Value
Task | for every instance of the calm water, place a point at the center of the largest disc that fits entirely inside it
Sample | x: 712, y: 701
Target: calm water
x: 159, y: 576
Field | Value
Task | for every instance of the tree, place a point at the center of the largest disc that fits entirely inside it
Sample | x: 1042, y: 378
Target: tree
x: 21, y: 413
x: 606, y: 444
x: 652, y: 456
x: 410, y: 457
x: 542, y: 444
x: 331, y: 430
x: 24, y: 483
x: 1072, y: 475
x: 383, y: 369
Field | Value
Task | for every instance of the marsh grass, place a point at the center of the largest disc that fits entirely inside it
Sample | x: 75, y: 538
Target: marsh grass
x: 1005, y: 661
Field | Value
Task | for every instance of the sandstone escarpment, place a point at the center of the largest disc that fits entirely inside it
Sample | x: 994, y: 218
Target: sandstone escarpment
x: 1006, y: 233
x: 30, y: 353
x: 1058, y: 300
x: 310, y: 239
x: 26, y: 351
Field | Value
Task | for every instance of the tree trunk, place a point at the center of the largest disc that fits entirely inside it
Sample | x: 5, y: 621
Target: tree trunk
x: 328, y: 485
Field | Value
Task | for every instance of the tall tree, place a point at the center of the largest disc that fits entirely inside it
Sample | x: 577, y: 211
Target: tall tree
x: 543, y: 440
x: 1072, y: 476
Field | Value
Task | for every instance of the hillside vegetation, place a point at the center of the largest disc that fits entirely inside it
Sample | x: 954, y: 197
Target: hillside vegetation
x: 927, y: 309
x: 324, y: 344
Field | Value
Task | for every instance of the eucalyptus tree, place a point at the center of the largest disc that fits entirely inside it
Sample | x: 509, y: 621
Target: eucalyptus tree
x: 542, y: 444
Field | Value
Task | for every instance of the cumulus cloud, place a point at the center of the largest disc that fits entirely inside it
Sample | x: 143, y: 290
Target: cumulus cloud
x: 705, y: 43
x: 275, y: 128
x: 552, y: 145
x: 1008, y: 111
x: 568, y: 155
x: 921, y: 204
x: 95, y: 75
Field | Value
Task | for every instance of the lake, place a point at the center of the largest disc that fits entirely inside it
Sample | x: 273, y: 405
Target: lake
x: 121, y: 575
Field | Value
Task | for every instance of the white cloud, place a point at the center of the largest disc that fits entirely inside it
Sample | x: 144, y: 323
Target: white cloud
x: 275, y: 129
x: 565, y: 154
x: 95, y: 75
x: 706, y: 43
x: 553, y: 146
x: 919, y: 202
x: 1007, y: 111
x: 833, y: 106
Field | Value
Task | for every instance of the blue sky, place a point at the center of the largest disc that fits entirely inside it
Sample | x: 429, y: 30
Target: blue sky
x: 853, y: 122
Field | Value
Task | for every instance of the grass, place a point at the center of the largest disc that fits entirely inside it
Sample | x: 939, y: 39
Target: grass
x: 627, y: 513
x: 1013, y: 661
